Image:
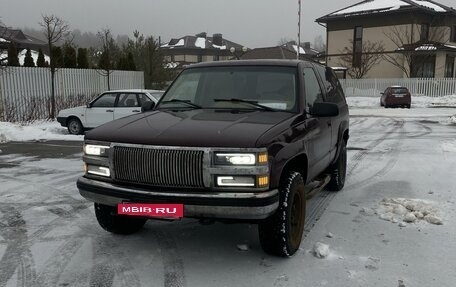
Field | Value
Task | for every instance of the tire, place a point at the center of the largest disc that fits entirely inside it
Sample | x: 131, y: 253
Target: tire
x: 281, y: 233
x: 338, y: 170
x: 75, y: 127
x: 408, y: 106
x: 109, y: 220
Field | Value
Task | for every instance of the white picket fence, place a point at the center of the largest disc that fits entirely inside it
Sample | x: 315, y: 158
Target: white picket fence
x: 437, y: 87
x: 25, y: 92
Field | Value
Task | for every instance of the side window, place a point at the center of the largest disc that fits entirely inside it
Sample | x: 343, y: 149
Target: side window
x: 105, y: 101
x: 143, y: 99
x: 127, y: 101
x: 313, y: 90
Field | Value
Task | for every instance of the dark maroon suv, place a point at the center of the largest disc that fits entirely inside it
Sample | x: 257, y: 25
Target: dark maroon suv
x: 241, y: 140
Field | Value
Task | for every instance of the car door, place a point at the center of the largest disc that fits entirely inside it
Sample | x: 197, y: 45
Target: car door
x: 101, y: 110
x: 319, y: 140
x: 333, y: 94
x: 127, y: 105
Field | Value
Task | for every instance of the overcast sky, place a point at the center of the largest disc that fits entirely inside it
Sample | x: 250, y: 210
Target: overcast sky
x: 253, y: 23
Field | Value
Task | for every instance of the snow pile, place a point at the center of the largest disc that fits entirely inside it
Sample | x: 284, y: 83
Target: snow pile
x: 37, y: 131
x: 321, y: 250
x: 406, y: 211
x: 243, y: 247
x: 200, y: 43
x: 452, y: 120
x: 449, y: 146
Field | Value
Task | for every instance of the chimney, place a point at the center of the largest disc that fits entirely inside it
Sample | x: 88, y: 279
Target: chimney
x: 217, y: 39
x: 202, y: 35
x: 306, y: 45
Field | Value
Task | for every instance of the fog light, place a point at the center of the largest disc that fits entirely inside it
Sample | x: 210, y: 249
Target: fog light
x: 263, y: 180
x: 98, y: 170
x: 236, y: 181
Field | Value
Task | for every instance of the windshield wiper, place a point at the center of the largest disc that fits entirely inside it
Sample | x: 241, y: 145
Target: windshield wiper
x: 182, y: 101
x: 253, y: 103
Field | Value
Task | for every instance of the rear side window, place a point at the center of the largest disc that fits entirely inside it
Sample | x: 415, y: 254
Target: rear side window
x: 105, y: 101
x: 313, y: 90
x: 334, y: 92
x: 127, y: 101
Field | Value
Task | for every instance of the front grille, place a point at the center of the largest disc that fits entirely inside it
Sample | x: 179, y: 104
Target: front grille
x: 159, y: 167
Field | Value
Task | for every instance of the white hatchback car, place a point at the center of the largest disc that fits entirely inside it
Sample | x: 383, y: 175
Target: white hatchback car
x: 106, y: 107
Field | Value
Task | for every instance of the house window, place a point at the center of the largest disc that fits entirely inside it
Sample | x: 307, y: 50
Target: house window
x: 424, y: 36
x: 423, y: 66
x: 358, y: 47
x: 200, y: 58
x: 449, y: 66
x: 216, y: 58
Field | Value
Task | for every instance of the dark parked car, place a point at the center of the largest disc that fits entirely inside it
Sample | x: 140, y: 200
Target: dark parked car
x: 247, y: 141
x: 396, y: 96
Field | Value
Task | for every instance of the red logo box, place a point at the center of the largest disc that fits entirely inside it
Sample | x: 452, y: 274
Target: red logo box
x: 151, y: 210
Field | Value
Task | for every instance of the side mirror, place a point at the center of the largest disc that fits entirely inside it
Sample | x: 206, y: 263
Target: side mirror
x: 147, y: 106
x: 325, y: 110
x: 382, y: 93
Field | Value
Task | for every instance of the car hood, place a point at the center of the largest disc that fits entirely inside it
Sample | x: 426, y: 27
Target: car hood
x: 194, y: 128
x: 73, y: 111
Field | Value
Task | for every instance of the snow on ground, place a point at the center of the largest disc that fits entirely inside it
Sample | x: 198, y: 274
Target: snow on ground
x: 417, y: 102
x: 36, y: 131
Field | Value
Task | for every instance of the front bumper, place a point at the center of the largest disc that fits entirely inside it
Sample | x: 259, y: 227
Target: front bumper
x: 226, y: 205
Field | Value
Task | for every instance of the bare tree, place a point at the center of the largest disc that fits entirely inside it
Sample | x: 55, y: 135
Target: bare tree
x: 319, y: 44
x: 410, y: 51
x: 107, y: 59
x: 55, y: 30
x: 370, y: 56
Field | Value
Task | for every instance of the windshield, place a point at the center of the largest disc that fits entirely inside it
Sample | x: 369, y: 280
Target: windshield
x: 399, y: 90
x: 234, y: 87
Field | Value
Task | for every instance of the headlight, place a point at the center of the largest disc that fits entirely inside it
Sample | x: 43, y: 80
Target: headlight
x: 99, y: 150
x: 241, y: 158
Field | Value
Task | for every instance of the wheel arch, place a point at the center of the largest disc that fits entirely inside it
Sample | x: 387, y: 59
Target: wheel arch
x: 299, y: 163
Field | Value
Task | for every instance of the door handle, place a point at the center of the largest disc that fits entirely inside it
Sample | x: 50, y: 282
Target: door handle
x: 109, y: 111
x: 136, y: 111
x: 329, y: 123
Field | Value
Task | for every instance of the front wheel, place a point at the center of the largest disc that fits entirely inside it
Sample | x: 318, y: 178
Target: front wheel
x: 338, y: 170
x: 281, y: 233
x: 110, y: 221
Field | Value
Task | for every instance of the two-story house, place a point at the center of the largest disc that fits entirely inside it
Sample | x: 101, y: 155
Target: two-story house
x: 199, y: 48
x: 400, y: 38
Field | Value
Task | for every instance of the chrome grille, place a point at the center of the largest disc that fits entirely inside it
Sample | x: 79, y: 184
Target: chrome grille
x: 159, y: 167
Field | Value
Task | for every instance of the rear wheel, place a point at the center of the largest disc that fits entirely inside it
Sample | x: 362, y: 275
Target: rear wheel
x: 110, y: 221
x: 75, y: 126
x: 281, y: 234
x: 338, y: 170
x: 408, y: 106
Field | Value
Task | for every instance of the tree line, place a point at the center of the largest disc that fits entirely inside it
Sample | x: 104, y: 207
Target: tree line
x: 138, y: 53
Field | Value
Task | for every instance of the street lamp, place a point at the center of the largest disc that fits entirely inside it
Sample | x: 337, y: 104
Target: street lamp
x: 236, y: 52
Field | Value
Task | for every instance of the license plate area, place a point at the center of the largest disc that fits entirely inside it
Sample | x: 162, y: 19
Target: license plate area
x: 157, y: 210
x: 398, y: 95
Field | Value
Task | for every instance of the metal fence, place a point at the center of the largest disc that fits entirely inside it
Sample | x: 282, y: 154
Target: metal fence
x: 25, y: 92
x: 437, y: 87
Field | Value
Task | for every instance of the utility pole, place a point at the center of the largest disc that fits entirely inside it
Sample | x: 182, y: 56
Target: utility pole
x: 299, y: 30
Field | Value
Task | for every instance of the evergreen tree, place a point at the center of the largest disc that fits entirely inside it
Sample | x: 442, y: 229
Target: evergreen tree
x: 41, y: 61
x: 56, y: 57
x: 28, y: 60
x: 130, y: 62
x: 13, y: 59
x: 69, y: 57
x: 122, y: 64
x: 83, y: 61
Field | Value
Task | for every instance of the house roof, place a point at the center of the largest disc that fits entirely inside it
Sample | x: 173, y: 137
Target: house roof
x: 278, y: 52
x: 304, y: 49
x: 16, y: 36
x: 386, y: 6
x: 200, y: 41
